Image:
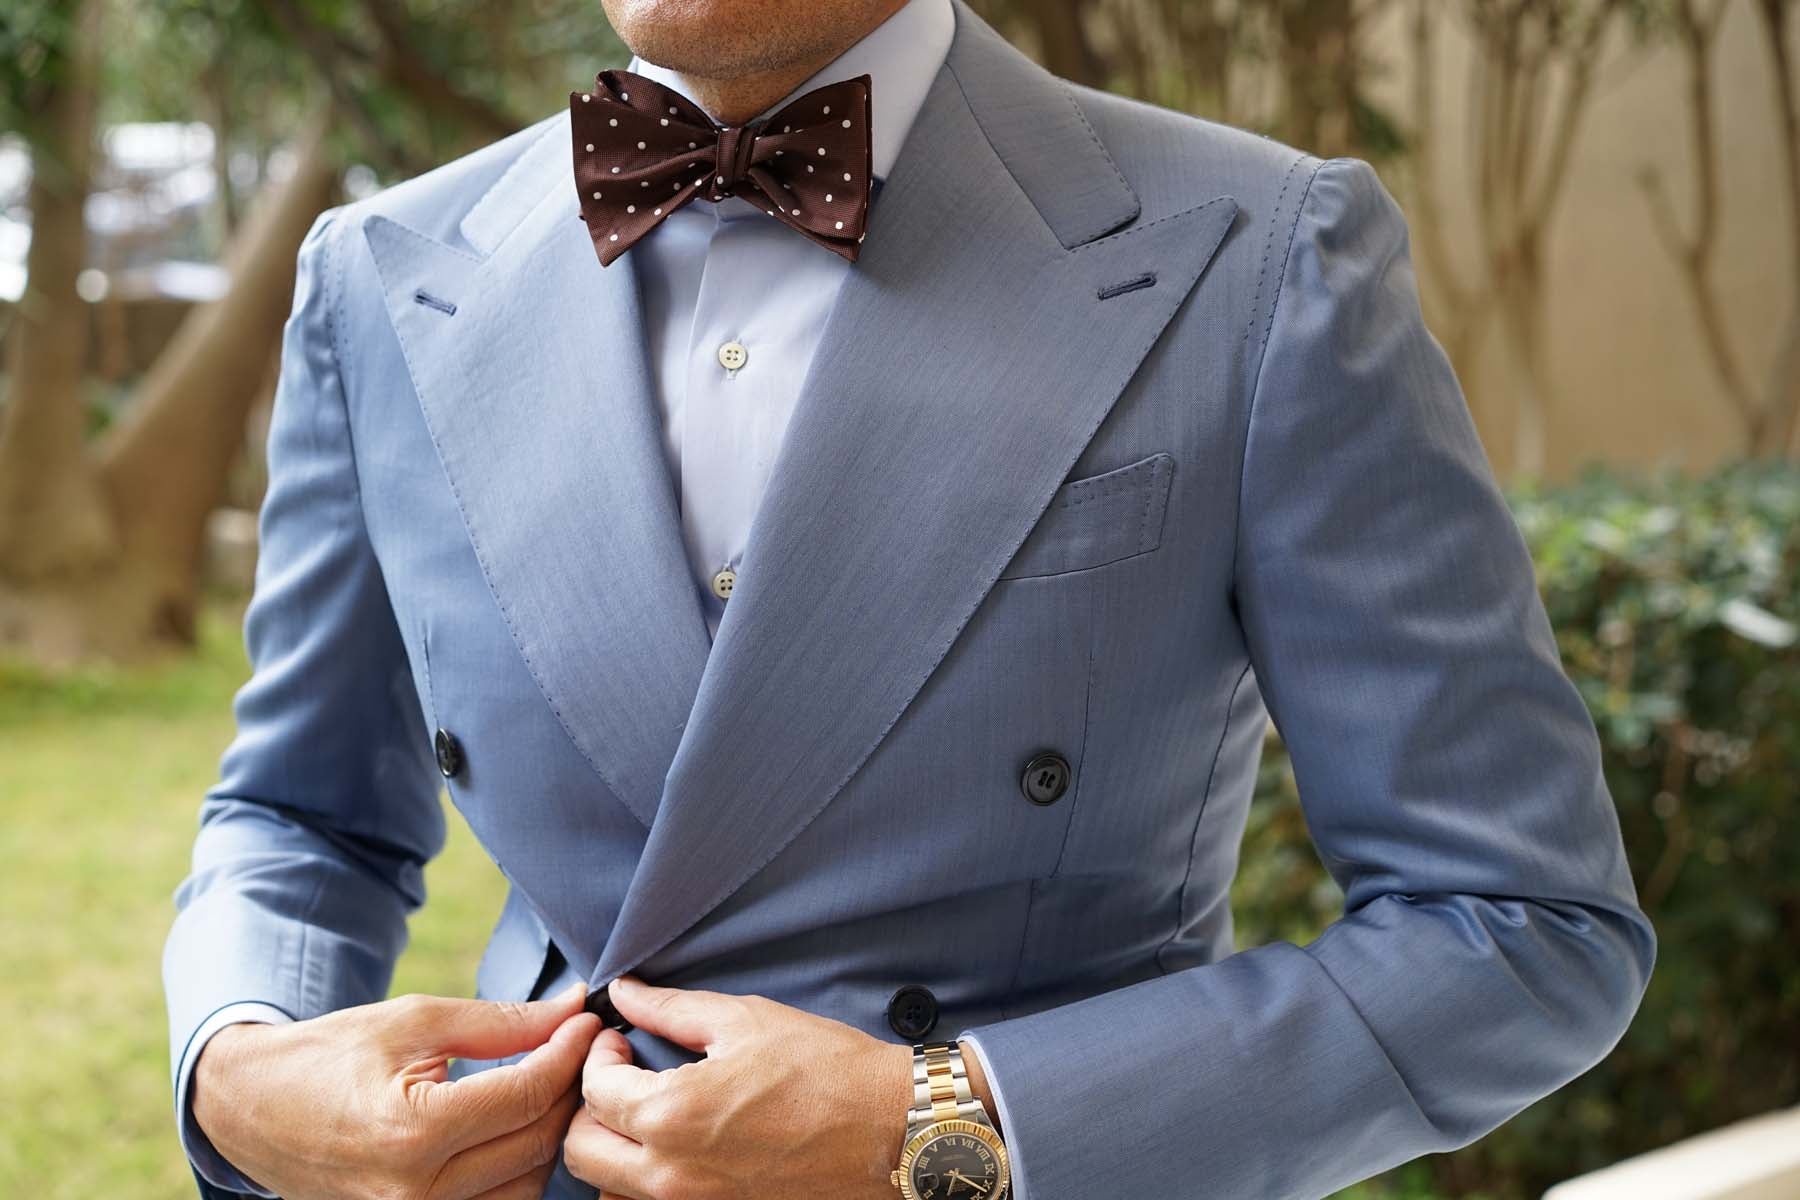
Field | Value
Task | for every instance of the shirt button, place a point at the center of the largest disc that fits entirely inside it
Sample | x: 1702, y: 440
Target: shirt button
x: 723, y: 581
x: 732, y: 355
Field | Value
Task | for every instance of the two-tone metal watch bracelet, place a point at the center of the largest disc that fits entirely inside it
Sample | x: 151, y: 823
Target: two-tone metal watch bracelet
x: 941, y: 1089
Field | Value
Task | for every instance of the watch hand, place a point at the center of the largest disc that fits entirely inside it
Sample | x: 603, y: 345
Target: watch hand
x: 957, y: 1177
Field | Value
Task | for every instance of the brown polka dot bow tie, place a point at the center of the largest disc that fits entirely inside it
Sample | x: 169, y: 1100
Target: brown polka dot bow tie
x: 643, y: 150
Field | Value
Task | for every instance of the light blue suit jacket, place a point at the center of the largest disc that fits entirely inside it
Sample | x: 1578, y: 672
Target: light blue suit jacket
x: 1125, y: 433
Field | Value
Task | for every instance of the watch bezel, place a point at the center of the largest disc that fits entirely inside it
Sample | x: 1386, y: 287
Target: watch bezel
x: 930, y: 1133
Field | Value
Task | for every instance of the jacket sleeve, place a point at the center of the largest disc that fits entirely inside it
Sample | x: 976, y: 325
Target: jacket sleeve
x: 312, y: 843
x: 1491, y: 946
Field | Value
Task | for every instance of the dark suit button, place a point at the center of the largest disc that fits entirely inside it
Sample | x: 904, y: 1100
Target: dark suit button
x: 600, y: 1003
x: 1046, y: 778
x: 912, y: 1011
x: 449, y: 753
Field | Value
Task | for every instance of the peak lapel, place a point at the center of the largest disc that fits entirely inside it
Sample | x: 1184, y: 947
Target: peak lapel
x: 530, y: 367
x: 968, y: 361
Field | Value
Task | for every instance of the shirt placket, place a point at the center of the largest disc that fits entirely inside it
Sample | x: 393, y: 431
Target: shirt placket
x: 724, y: 434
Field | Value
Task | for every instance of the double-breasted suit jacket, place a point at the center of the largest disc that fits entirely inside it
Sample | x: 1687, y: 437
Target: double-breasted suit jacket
x: 1125, y: 435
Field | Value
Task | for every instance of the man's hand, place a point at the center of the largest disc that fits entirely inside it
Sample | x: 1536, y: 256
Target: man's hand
x: 358, y: 1104
x: 785, y: 1103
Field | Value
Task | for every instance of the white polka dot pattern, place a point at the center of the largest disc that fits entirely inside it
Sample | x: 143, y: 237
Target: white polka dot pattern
x: 634, y: 141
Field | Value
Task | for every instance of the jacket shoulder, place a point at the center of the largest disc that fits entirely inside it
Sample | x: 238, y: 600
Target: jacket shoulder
x: 1173, y: 159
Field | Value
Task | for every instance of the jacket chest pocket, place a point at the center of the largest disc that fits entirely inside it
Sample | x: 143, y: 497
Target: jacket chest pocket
x: 1098, y: 519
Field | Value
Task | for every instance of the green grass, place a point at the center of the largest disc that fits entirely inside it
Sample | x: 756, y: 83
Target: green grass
x: 101, y: 775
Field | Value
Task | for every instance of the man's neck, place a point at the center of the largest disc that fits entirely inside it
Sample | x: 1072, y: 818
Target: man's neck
x: 735, y: 100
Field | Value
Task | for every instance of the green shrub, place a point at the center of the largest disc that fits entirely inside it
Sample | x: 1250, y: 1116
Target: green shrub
x: 1675, y: 602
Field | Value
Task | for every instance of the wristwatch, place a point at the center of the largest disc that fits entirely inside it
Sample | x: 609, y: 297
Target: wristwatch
x: 952, y: 1151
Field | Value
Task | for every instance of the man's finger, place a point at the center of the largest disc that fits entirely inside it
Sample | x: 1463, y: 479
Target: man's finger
x: 500, y: 1160
x: 491, y: 1028
x: 606, y: 1159
x: 496, y: 1101
x: 611, y: 1086
x: 690, y: 1017
x: 616, y: 1092
x: 609, y: 1047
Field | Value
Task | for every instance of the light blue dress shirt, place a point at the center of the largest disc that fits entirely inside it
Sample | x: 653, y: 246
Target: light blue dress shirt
x: 724, y: 273
x: 714, y: 275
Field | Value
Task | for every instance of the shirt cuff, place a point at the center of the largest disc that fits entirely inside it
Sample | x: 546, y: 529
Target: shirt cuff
x: 1016, y: 1191
x: 207, y: 1161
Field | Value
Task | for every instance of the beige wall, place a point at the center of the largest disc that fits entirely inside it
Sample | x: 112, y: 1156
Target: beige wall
x: 1632, y: 381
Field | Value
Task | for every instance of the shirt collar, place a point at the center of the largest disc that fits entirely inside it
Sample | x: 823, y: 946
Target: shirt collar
x: 901, y: 56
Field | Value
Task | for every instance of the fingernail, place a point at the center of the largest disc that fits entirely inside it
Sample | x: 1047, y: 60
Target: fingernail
x: 571, y: 992
x: 623, y: 982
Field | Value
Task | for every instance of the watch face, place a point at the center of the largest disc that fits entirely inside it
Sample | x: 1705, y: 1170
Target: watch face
x: 957, y: 1163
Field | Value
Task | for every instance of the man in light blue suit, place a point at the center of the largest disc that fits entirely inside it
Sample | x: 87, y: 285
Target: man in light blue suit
x: 1118, y: 435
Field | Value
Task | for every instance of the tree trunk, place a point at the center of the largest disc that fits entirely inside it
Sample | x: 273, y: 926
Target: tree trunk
x: 164, y: 465
x: 53, y: 516
x: 1520, y: 53
x: 1521, y: 299
x: 1459, y: 311
x: 1067, y: 51
x: 1319, y: 67
x: 1783, y: 404
x: 1696, y: 33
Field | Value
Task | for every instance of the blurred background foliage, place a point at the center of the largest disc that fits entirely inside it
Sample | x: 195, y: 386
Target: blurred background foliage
x: 1604, y: 197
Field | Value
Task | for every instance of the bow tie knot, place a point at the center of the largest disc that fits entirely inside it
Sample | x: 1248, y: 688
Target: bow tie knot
x: 732, y: 160
x: 642, y: 150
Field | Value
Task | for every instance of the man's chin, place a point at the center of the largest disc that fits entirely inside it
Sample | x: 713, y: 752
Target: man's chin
x: 736, y: 39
